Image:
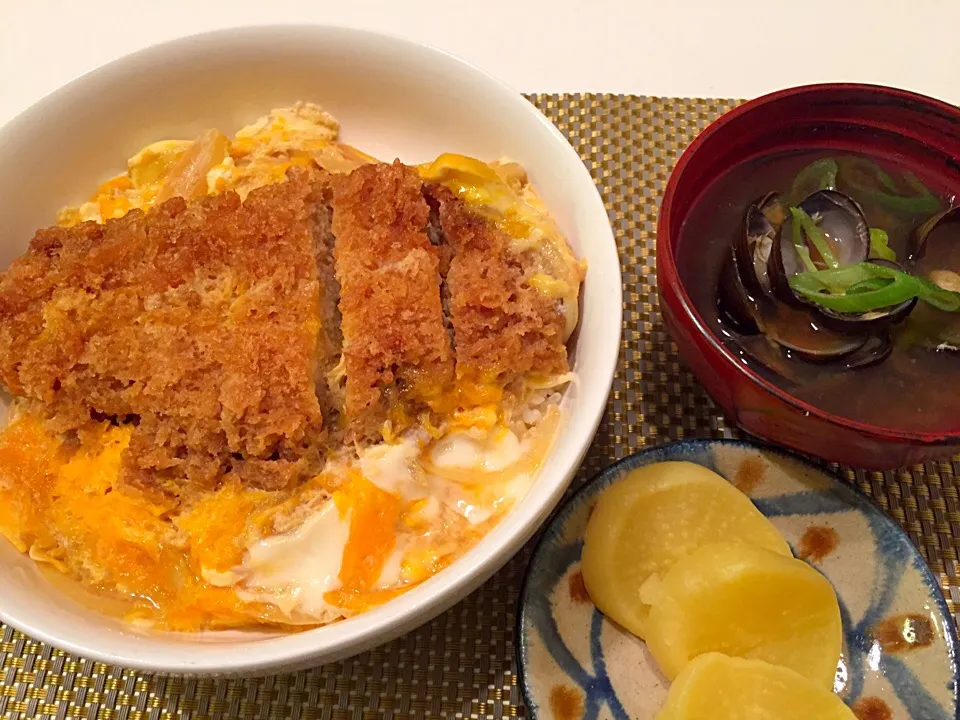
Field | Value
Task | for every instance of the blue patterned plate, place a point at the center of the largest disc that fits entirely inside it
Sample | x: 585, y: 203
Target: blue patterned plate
x: 899, y: 658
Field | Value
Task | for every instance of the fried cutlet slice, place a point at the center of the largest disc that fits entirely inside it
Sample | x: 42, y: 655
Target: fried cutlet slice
x: 503, y: 328
x: 196, y: 321
x: 396, y: 349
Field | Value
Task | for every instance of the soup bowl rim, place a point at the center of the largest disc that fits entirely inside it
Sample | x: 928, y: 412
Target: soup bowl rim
x: 668, y: 235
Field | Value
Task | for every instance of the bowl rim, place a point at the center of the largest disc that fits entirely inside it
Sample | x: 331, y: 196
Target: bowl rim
x: 344, y: 638
x: 607, y: 475
x: 667, y: 267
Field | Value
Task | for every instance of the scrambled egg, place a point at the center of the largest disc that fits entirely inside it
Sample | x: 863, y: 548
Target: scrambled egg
x: 376, y: 521
x: 259, y: 154
x: 359, y: 534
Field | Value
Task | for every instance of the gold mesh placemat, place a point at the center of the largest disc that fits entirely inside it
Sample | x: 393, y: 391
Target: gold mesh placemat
x: 462, y: 665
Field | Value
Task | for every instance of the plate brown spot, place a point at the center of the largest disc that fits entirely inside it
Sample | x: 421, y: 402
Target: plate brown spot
x: 900, y: 633
x: 817, y: 542
x: 578, y: 589
x: 566, y: 703
x: 749, y: 475
x: 872, y: 708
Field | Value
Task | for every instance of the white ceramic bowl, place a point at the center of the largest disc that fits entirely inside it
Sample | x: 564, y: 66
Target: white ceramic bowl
x: 393, y: 98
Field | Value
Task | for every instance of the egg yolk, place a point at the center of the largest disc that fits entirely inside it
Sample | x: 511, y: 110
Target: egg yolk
x: 373, y: 514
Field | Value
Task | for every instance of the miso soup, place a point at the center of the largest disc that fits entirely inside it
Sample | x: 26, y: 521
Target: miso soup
x: 836, y: 277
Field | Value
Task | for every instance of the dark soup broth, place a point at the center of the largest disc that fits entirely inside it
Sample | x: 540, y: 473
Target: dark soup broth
x: 836, y: 277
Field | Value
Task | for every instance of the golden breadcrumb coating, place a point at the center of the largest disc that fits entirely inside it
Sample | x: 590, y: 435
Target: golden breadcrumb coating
x: 502, y: 327
x: 197, y: 321
x: 225, y: 330
x: 396, y: 348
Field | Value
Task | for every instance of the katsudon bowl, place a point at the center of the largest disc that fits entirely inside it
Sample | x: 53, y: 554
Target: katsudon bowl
x: 394, y: 99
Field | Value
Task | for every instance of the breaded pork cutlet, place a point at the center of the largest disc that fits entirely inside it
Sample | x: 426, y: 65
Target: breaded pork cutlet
x: 502, y: 327
x: 396, y: 348
x: 198, y: 321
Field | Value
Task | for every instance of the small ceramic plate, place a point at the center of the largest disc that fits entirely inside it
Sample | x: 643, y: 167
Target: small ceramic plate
x: 899, y: 657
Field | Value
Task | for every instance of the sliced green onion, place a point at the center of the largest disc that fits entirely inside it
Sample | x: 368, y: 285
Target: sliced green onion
x: 804, y: 252
x: 915, y: 182
x: 885, y: 178
x: 914, y: 205
x: 869, y: 290
x: 815, y: 235
x: 868, y: 285
x: 893, y: 294
x: 818, y: 175
x: 870, y: 182
x: 880, y: 245
x: 935, y: 295
x: 796, y: 235
x: 849, y: 274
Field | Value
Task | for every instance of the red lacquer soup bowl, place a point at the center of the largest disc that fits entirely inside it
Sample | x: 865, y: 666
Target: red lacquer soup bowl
x: 912, y: 130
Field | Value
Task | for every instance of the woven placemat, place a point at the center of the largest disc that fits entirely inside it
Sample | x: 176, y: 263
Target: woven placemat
x: 462, y: 665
